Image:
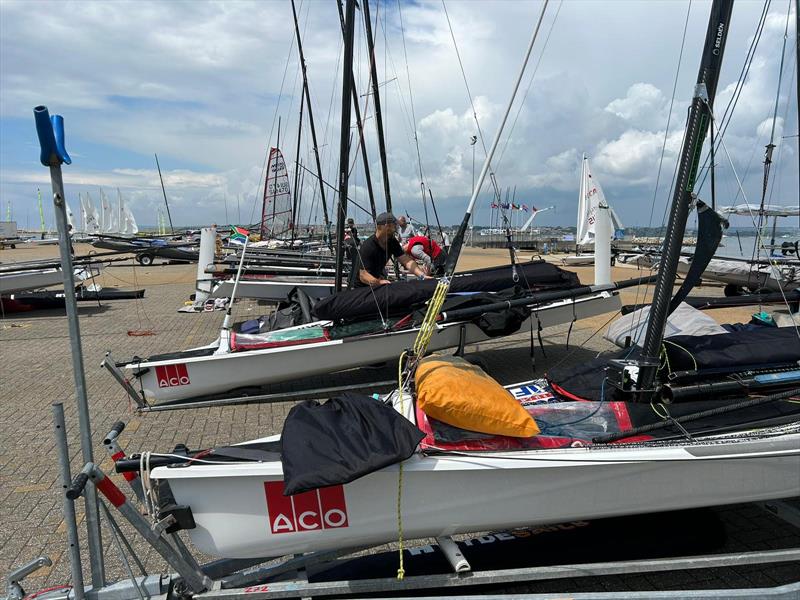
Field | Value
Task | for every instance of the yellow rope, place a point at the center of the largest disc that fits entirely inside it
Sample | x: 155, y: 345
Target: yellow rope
x: 420, y: 347
x: 428, y: 325
x: 401, y: 572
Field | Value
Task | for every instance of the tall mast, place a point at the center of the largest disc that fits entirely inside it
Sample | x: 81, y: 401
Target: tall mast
x: 797, y: 81
x: 344, y: 138
x: 360, y: 125
x: 164, y: 191
x: 696, y: 129
x: 311, y: 121
x: 376, y: 97
x: 297, y: 169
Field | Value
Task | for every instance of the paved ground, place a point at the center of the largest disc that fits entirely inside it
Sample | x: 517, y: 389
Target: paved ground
x: 36, y: 371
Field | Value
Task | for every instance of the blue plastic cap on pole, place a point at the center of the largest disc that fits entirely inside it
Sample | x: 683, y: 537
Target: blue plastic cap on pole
x: 51, y: 137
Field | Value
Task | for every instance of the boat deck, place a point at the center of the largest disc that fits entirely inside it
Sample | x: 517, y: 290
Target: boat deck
x: 36, y: 371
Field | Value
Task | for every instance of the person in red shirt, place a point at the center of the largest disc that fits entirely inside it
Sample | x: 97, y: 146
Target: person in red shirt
x: 424, y: 249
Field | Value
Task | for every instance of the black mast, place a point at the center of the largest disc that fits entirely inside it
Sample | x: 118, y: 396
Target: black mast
x: 296, y: 169
x: 360, y: 125
x: 376, y: 96
x: 344, y: 139
x: 696, y: 129
x: 311, y: 123
x: 164, y: 191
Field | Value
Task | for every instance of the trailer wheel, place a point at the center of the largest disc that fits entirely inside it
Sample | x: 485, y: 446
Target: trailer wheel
x: 145, y: 259
x: 732, y: 290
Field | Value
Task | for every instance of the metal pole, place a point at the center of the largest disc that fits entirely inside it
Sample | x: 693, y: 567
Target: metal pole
x: 344, y: 139
x: 360, y: 126
x: 696, y: 128
x: 68, y: 505
x: 311, y: 122
x: 164, y: 191
x: 54, y: 158
x: 376, y: 97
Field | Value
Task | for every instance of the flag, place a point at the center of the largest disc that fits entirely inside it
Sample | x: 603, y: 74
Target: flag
x: 494, y: 205
x: 534, y: 209
x: 525, y: 207
x: 239, y: 234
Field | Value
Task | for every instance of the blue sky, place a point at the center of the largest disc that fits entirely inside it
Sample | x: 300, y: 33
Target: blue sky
x: 202, y: 85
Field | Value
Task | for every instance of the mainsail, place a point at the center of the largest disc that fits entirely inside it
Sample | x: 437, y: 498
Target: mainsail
x: 276, y: 210
x: 91, y: 219
x: 589, y: 198
x: 110, y: 223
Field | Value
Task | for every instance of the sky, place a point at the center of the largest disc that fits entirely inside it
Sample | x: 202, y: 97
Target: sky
x: 203, y: 85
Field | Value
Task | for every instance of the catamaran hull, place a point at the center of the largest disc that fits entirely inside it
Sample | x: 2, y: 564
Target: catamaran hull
x: 273, y: 291
x: 240, y: 512
x: 35, y: 279
x: 195, y: 377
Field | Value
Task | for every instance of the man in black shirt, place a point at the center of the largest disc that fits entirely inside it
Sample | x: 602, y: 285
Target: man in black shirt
x: 375, y: 252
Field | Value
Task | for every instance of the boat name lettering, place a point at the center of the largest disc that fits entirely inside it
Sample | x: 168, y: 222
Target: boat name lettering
x: 172, y: 375
x: 324, y: 508
x: 256, y: 588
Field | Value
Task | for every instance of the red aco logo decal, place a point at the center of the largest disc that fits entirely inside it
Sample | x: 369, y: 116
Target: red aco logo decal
x: 324, y: 508
x: 172, y: 375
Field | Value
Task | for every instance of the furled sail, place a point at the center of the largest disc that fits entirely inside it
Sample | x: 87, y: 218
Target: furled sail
x: 770, y: 210
x: 276, y: 210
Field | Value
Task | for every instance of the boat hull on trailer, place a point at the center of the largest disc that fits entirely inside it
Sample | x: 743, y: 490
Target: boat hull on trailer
x: 191, y: 377
x: 240, y: 512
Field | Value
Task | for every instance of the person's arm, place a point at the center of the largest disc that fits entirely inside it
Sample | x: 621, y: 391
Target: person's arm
x: 419, y: 254
x: 411, y: 266
x: 367, y: 279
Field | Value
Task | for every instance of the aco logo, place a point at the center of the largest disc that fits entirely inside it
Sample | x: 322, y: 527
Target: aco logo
x: 172, y: 375
x: 324, y: 508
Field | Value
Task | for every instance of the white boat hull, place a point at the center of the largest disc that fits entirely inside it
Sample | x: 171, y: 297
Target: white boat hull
x: 578, y: 260
x: 35, y: 279
x: 194, y: 377
x: 273, y: 290
x: 238, y: 516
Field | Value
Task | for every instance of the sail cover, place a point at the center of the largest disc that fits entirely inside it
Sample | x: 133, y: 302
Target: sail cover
x: 398, y: 298
x: 276, y: 210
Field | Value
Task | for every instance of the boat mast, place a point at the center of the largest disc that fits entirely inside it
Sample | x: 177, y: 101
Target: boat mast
x: 360, y: 125
x: 797, y: 80
x: 164, y: 191
x: 696, y: 129
x: 311, y: 124
x: 376, y: 97
x: 296, y: 169
x: 344, y: 139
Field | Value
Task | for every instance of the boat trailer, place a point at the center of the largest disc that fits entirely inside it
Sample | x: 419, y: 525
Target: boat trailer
x: 309, y: 575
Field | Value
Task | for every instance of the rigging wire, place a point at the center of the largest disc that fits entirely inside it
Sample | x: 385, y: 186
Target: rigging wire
x: 274, y: 120
x: 642, y: 293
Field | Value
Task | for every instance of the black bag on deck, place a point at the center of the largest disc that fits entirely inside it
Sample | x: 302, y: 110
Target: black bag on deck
x: 341, y: 440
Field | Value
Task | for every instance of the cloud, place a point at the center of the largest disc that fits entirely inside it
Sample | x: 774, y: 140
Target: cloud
x: 203, y: 84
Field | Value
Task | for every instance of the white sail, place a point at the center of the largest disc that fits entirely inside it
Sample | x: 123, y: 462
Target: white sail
x: 276, y: 210
x: 110, y: 223
x: 128, y: 224
x: 591, y: 196
x: 91, y: 219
